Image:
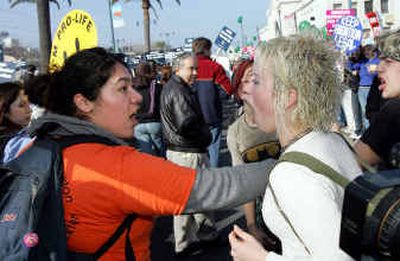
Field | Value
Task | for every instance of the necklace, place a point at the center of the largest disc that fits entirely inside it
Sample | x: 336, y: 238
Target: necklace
x: 296, y: 138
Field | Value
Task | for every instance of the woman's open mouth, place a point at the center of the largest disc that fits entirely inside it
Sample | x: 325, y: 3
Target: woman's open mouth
x: 133, y: 119
x: 383, y: 84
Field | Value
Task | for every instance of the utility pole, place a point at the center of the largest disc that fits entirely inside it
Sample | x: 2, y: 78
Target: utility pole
x: 44, y: 34
x: 146, y: 24
x: 280, y: 21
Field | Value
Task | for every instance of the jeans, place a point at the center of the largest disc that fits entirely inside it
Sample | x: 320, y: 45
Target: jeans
x: 351, y: 110
x: 362, y: 97
x: 213, y: 148
x: 149, y: 138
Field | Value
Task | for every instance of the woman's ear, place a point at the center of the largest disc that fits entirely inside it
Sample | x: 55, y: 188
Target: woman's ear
x: 292, y: 99
x: 83, y: 105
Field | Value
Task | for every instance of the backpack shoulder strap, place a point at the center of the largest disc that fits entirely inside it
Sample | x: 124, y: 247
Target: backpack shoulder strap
x: 59, y: 143
x: 66, y: 141
x: 315, y: 165
x: 124, y: 226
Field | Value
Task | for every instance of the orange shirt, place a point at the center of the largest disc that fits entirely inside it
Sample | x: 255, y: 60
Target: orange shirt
x: 103, y: 184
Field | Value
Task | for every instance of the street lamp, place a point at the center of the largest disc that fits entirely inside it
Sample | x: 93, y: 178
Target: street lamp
x: 240, y: 21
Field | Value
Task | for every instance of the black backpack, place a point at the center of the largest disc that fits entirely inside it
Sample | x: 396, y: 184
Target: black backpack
x: 32, y: 223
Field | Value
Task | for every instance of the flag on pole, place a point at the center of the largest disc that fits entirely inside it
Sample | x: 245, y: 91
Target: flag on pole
x: 118, y: 21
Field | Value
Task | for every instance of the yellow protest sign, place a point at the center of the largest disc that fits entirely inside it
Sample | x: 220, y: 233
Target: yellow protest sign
x: 76, y: 31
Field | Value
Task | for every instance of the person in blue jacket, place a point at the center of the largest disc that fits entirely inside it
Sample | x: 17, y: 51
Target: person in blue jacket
x: 367, y: 71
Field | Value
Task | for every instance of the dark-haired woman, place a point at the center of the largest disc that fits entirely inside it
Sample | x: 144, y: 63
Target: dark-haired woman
x: 148, y: 132
x: 16, y: 113
x: 93, y: 95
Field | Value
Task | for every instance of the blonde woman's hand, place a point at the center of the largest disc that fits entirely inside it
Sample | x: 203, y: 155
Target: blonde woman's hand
x: 244, y: 247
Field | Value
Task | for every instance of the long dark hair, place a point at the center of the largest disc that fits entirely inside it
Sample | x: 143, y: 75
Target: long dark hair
x: 144, y: 75
x: 84, y: 72
x: 9, y: 91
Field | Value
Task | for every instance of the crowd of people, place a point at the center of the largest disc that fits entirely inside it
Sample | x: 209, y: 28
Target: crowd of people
x: 163, y: 130
x: 360, y: 75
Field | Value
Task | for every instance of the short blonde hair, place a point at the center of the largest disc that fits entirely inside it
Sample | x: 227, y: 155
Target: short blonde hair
x: 307, y: 65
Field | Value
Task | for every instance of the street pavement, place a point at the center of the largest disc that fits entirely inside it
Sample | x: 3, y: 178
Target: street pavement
x: 162, y: 247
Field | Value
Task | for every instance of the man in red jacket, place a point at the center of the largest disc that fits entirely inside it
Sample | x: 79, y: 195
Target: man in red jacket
x: 210, y: 75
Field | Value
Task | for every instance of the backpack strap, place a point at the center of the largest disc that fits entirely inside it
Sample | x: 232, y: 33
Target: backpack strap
x: 286, y: 218
x: 124, y: 226
x: 315, y: 165
x: 129, y: 254
x: 66, y: 141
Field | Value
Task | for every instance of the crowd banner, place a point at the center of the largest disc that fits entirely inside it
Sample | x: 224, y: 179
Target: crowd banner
x: 332, y: 16
x: 348, y: 34
x: 76, y: 31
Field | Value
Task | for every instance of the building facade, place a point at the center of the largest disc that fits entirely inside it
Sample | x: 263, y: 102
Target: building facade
x: 285, y: 16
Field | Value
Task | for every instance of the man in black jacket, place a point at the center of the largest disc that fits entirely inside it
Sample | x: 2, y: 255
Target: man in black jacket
x: 187, y: 137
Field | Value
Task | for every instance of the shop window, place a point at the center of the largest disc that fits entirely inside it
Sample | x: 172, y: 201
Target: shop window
x: 368, y: 6
x: 385, y: 6
x: 337, y: 6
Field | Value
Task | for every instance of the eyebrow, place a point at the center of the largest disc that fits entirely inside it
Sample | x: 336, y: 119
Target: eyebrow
x: 124, y: 79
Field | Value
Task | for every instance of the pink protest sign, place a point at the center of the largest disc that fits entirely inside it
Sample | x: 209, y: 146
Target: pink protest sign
x: 335, y: 14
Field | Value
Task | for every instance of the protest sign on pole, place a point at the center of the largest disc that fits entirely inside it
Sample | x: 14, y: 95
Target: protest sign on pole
x: 224, y: 38
x: 332, y: 16
x: 348, y: 34
x: 374, y: 23
x: 75, y: 32
x: 187, y: 46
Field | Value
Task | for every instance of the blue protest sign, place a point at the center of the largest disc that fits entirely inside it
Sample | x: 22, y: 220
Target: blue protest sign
x: 348, y: 34
x: 224, y: 38
x: 187, y: 46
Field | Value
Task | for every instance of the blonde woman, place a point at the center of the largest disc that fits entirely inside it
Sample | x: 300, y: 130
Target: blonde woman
x: 295, y: 93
